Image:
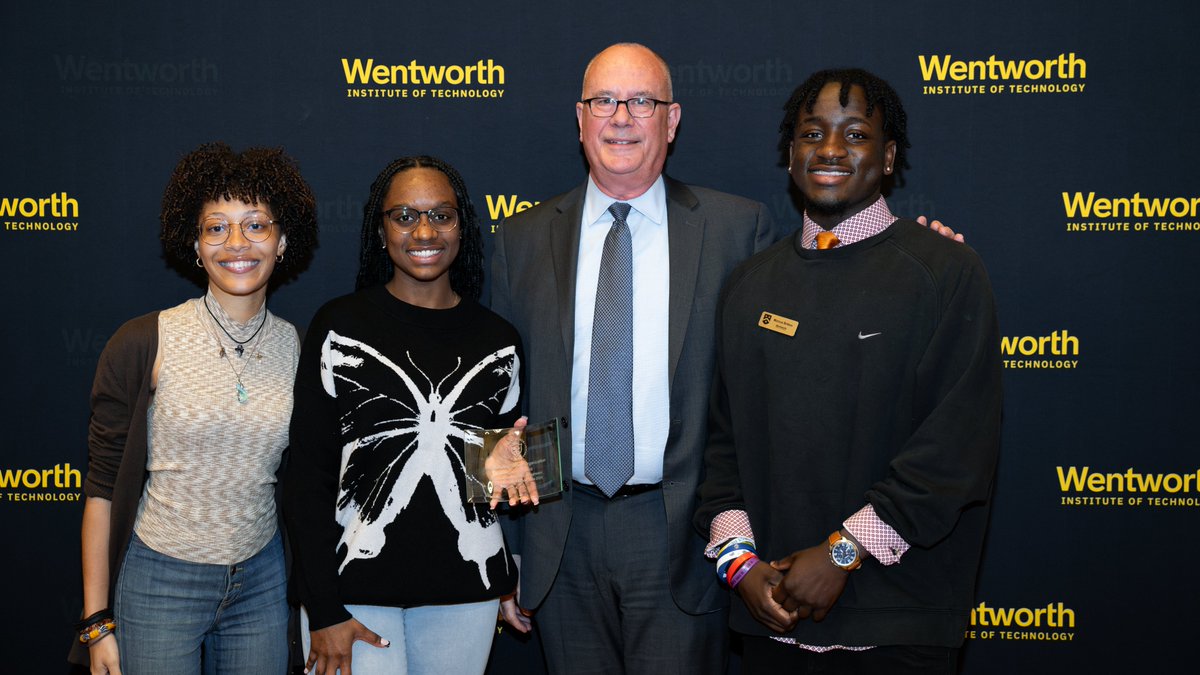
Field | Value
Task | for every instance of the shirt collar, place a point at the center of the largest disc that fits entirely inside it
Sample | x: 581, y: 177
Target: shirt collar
x: 651, y: 204
x: 866, y: 223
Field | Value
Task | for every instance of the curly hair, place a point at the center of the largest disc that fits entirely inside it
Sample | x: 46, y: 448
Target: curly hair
x: 214, y: 171
x: 879, y: 94
x: 375, y: 265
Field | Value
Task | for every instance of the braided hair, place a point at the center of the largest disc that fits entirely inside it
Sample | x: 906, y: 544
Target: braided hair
x: 214, y: 171
x: 879, y: 94
x: 375, y: 265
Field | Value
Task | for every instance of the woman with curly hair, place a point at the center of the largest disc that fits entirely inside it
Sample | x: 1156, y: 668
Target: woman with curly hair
x: 393, y: 379
x: 182, y: 556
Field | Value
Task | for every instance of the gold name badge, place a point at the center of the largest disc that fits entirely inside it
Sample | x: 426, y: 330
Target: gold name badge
x: 779, y: 324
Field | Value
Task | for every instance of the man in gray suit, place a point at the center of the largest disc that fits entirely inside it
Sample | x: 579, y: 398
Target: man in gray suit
x: 614, y: 569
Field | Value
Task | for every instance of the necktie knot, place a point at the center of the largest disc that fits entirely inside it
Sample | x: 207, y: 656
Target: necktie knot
x: 619, y: 211
x: 826, y: 240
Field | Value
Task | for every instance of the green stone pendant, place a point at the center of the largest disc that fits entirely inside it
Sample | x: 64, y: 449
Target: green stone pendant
x: 241, y: 393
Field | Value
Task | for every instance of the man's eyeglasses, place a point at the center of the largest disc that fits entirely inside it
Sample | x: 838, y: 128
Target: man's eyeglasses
x: 606, y: 106
x: 405, y: 218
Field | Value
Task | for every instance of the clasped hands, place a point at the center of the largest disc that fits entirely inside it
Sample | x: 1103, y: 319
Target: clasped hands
x: 507, y: 470
x: 802, y: 585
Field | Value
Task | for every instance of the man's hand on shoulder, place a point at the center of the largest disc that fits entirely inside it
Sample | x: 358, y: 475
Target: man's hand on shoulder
x: 944, y: 230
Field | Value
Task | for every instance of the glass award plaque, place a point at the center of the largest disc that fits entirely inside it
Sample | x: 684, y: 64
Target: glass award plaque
x: 539, y: 443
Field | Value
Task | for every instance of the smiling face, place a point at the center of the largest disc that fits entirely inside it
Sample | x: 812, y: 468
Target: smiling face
x: 839, y: 155
x: 626, y: 154
x: 239, y: 268
x: 421, y: 258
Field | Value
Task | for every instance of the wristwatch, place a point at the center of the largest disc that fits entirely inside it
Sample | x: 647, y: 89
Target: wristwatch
x: 843, y: 552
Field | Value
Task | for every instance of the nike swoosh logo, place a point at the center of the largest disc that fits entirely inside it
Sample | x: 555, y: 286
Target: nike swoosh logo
x: 868, y: 335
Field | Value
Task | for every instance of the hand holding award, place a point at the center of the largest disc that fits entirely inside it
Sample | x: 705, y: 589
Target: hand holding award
x: 507, y: 470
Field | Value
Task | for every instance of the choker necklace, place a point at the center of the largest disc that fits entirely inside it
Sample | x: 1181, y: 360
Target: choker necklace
x: 239, y: 349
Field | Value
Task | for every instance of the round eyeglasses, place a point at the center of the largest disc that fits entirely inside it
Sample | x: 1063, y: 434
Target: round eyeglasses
x: 405, y: 218
x: 215, y: 231
x: 606, y: 106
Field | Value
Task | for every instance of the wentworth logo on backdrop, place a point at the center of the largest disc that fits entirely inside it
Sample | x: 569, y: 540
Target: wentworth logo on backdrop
x: 81, y: 74
x: 58, y: 212
x: 500, y: 207
x: 1057, y: 351
x: 59, y: 483
x: 368, y: 78
x: 1089, y: 212
x: 1081, y: 486
x: 1053, y: 623
x: 950, y: 74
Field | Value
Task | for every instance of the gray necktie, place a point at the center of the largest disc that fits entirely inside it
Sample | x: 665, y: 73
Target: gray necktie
x: 608, y: 453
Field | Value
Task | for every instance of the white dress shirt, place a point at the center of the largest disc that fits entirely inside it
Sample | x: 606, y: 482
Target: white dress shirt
x: 651, y: 403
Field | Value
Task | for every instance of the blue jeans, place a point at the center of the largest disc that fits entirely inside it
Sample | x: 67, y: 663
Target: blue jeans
x: 426, y: 640
x: 176, y: 617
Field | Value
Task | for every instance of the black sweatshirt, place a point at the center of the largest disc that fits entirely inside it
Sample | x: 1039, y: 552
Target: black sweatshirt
x: 889, y: 393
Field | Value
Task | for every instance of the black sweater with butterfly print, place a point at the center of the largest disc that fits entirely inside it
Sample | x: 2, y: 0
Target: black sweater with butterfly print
x: 375, y: 492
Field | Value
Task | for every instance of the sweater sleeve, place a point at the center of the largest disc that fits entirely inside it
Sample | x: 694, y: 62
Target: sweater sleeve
x: 947, y: 465
x: 721, y: 488
x: 120, y: 374
x: 310, y: 488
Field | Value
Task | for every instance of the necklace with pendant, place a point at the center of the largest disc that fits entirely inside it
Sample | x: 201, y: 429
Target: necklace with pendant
x: 243, y: 396
x: 239, y: 348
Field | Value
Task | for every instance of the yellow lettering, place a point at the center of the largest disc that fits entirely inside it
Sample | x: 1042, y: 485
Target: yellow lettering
x: 1076, y: 204
x: 503, y: 206
x: 934, y: 67
x: 358, y: 72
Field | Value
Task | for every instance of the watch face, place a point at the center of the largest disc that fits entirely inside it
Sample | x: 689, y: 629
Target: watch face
x: 843, y: 553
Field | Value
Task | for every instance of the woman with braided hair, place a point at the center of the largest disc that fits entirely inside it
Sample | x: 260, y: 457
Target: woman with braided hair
x: 393, y: 380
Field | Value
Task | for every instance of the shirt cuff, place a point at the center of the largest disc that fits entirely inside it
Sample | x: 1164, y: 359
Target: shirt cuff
x: 876, y: 536
x: 726, y: 526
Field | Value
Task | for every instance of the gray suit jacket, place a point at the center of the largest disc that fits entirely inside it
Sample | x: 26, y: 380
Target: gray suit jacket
x: 533, y: 286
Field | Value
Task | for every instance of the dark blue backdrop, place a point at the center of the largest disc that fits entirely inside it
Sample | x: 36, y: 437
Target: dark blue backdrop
x: 101, y: 102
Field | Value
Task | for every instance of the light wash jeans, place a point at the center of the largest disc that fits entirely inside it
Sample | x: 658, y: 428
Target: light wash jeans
x: 180, y: 618
x: 426, y: 640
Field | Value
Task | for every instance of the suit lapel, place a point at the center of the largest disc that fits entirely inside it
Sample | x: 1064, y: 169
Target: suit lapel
x: 685, y: 237
x: 564, y: 251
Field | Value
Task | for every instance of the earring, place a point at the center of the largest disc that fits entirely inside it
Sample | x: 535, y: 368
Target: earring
x: 384, y: 247
x: 198, y: 263
x: 279, y: 258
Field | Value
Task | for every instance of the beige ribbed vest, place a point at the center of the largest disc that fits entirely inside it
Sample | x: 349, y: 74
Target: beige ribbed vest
x: 212, y: 460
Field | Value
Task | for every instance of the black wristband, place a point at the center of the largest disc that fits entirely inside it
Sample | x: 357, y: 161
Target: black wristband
x: 98, y: 617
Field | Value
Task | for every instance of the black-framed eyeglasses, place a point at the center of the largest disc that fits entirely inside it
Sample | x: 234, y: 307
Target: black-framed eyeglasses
x: 215, y: 231
x: 639, y: 106
x: 405, y: 218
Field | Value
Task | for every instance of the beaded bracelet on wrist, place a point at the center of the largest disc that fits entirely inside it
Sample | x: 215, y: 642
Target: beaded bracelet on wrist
x: 97, y: 630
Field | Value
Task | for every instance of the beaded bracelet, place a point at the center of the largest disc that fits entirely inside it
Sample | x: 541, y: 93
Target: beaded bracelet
x: 97, y: 630
x: 96, y: 626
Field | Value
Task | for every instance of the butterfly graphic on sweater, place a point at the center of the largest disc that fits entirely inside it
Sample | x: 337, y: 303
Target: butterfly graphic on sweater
x: 423, y: 419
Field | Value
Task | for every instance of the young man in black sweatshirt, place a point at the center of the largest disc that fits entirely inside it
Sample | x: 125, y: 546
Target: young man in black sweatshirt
x: 855, y: 419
